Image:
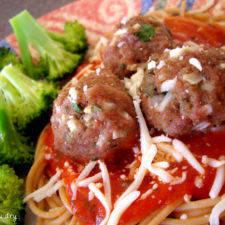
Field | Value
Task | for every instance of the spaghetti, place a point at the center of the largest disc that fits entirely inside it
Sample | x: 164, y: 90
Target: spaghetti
x: 155, y: 172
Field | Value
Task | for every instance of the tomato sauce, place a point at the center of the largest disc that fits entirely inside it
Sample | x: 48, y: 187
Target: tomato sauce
x: 92, y: 212
x: 186, y: 29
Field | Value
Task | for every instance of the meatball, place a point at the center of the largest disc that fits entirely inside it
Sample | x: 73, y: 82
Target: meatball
x: 133, y: 43
x: 94, y: 118
x: 185, y: 92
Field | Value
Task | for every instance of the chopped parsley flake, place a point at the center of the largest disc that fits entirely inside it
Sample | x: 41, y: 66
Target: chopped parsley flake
x: 122, y: 66
x: 169, y: 31
x: 164, y: 93
x: 76, y: 107
x: 66, y: 108
x: 146, y: 34
x: 98, y: 108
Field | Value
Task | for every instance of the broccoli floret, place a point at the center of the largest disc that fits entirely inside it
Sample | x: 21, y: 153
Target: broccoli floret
x: 54, y: 60
x: 14, y: 149
x: 11, y: 195
x: 74, y: 38
x: 7, y: 57
x: 28, y: 100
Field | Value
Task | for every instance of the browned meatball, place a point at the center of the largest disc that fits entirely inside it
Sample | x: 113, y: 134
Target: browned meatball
x: 93, y: 117
x: 133, y: 43
x: 186, y: 91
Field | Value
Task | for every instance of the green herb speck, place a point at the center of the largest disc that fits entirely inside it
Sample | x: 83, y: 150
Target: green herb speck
x: 98, y: 108
x: 122, y: 66
x: 146, y: 34
x: 76, y: 107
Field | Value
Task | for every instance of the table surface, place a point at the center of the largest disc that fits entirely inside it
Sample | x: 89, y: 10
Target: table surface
x: 9, y: 8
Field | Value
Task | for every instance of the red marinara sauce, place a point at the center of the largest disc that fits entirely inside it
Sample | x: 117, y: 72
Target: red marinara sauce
x: 92, y: 212
x: 187, y: 29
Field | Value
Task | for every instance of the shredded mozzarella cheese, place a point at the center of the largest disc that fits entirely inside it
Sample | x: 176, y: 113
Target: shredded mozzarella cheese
x: 121, y: 207
x: 98, y: 194
x: 166, y: 100
x: 161, y: 138
x: 169, y: 85
x: 218, y: 182
x: 195, y: 62
x: 85, y: 172
x: 182, y: 148
x: 106, y: 181
x: 87, y: 181
x: 47, y: 190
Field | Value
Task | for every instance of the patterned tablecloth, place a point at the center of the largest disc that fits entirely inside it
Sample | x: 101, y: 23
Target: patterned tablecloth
x: 100, y: 16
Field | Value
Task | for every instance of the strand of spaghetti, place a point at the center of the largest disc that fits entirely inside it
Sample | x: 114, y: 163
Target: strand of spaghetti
x: 149, y: 217
x: 38, y: 174
x: 197, y: 204
x: 183, y: 8
x: 73, y: 221
x: 57, y: 199
x: 38, y: 163
x: 164, y: 212
x: 199, y: 16
x: 51, y: 214
x: 121, y: 207
x: 194, y: 212
x: 51, y: 202
x: 62, y: 219
x: 40, y: 144
x: 64, y: 199
x: 193, y: 221
x: 41, y: 204
x: 216, y: 211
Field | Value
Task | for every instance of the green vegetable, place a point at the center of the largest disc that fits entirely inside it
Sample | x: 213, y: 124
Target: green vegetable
x: 76, y: 107
x: 28, y: 101
x: 98, y: 108
x: 164, y: 93
x: 122, y: 66
x: 56, y: 52
x: 11, y: 195
x: 7, y: 57
x: 146, y: 34
x: 73, y: 39
x: 13, y: 147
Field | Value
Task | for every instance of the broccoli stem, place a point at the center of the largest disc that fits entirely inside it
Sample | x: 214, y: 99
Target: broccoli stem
x: 52, y: 53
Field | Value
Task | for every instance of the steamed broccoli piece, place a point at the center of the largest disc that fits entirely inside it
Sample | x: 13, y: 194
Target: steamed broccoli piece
x: 73, y: 39
x: 55, y: 60
x: 7, y: 57
x: 11, y: 195
x: 28, y: 100
x: 13, y: 147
